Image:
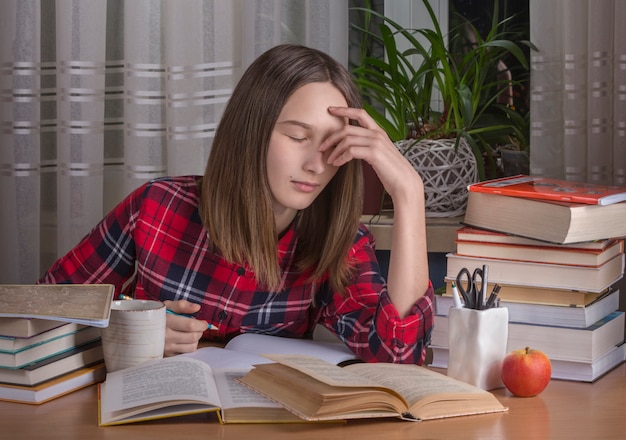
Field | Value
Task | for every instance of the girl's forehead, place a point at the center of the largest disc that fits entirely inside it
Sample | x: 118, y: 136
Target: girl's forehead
x: 311, y: 101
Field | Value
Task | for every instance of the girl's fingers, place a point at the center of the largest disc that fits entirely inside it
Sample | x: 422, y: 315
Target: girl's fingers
x: 182, y: 306
x: 357, y: 114
x: 357, y: 142
x: 180, y: 341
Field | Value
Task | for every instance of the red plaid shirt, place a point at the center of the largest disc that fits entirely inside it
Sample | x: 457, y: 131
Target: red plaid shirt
x: 158, y: 231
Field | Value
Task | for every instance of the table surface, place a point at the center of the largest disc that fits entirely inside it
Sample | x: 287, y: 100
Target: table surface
x: 565, y: 410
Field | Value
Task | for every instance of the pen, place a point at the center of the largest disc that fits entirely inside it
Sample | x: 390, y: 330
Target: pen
x: 493, y: 296
x: 209, y: 326
x: 483, y: 294
x: 455, y: 297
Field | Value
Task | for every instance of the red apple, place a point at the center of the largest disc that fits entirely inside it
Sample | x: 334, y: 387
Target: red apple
x: 526, y: 372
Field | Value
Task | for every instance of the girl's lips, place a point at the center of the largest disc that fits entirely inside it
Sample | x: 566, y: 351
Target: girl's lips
x: 305, y: 186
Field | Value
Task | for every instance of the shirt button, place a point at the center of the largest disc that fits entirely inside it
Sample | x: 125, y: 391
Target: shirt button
x: 222, y: 315
x: 398, y: 342
x: 241, y: 271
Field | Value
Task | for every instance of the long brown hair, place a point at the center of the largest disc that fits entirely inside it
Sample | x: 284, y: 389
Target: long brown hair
x: 236, y: 201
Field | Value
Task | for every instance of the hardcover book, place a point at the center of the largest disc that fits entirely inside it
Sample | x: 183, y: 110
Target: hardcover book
x: 538, y: 295
x: 467, y: 233
x: 554, y: 222
x: 53, y: 388
x: 10, y: 344
x: 550, y: 276
x: 541, y: 254
x: 543, y: 188
x: 26, y: 327
x: 88, y: 304
x: 49, y: 368
x: 23, y: 357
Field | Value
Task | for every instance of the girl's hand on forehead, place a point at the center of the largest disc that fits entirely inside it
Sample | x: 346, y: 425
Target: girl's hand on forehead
x: 369, y: 142
x: 354, y: 141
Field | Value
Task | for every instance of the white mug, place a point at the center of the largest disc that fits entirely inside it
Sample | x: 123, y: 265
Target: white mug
x: 136, y: 333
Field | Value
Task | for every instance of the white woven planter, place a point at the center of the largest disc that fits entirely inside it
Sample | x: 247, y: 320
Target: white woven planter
x: 446, y: 172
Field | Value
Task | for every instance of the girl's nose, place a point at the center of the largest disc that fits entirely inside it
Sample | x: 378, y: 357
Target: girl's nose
x: 316, y: 161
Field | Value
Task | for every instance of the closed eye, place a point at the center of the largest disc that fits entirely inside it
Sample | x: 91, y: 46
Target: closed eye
x: 296, y: 139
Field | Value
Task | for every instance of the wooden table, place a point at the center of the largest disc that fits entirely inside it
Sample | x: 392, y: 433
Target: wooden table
x: 565, y: 410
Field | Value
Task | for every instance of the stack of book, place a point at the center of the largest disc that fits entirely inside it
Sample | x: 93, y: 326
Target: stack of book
x: 556, y: 250
x: 42, y: 359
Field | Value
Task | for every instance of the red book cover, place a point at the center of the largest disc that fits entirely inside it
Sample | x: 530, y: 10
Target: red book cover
x: 544, y: 188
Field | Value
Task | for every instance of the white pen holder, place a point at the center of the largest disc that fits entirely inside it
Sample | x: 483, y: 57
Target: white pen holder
x: 477, y: 345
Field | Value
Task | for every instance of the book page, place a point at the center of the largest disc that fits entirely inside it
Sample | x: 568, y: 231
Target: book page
x: 411, y: 381
x: 234, y: 394
x: 324, y: 371
x: 219, y: 358
x: 168, y: 379
x: 333, y: 352
x: 247, y: 349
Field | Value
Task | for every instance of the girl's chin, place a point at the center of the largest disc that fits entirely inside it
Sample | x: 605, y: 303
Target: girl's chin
x: 294, y: 206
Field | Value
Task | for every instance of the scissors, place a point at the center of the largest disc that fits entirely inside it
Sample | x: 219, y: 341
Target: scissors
x: 471, y: 287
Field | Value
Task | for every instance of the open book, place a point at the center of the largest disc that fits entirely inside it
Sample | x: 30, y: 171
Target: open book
x: 205, y: 381
x: 317, y: 390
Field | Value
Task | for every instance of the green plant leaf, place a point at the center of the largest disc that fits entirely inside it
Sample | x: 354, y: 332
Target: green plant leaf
x: 460, y: 70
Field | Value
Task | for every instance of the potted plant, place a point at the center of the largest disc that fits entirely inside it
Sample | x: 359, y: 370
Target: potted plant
x: 451, y: 146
